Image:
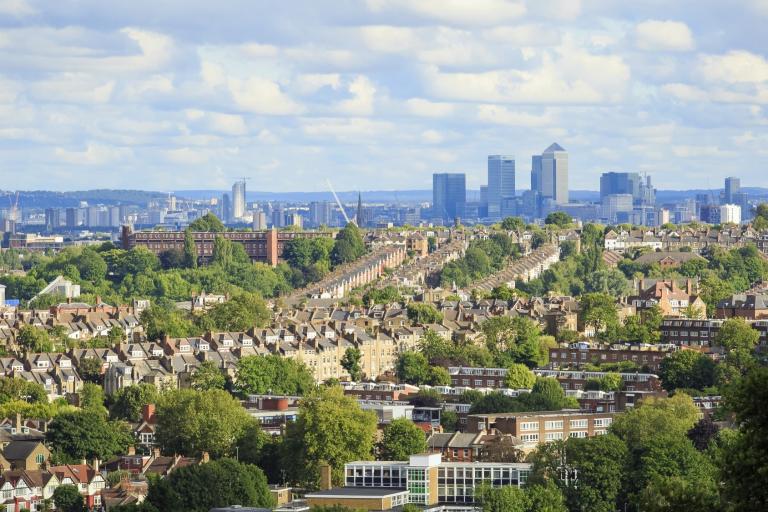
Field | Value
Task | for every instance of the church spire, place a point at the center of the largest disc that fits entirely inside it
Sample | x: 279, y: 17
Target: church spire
x: 359, y: 213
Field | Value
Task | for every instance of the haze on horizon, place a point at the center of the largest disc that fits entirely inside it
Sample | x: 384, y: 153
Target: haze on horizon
x: 378, y: 94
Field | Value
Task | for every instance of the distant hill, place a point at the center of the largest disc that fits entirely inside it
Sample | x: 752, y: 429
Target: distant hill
x: 48, y: 199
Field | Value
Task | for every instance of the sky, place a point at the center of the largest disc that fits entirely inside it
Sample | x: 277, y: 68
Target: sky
x: 378, y: 94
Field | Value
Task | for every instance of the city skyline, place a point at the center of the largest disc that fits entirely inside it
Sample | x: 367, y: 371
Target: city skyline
x: 380, y: 94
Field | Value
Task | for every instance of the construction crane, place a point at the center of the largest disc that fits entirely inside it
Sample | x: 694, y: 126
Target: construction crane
x: 338, y: 202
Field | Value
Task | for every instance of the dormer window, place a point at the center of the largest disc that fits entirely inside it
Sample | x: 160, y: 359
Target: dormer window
x: 42, y: 364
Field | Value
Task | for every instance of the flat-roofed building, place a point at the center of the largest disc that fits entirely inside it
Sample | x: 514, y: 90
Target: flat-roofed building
x: 534, y: 428
x: 423, y: 480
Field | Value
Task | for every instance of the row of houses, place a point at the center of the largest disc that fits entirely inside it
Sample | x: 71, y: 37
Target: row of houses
x: 696, y: 239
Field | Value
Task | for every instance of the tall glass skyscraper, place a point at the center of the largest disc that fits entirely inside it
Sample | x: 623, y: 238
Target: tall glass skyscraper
x: 641, y: 190
x: 554, y: 174
x: 449, y: 195
x: 732, y: 187
x: 238, y: 200
x: 501, y: 182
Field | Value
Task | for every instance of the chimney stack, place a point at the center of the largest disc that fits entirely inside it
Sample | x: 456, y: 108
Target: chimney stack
x: 205, y: 458
x: 18, y: 423
x: 326, y: 477
x: 96, y: 464
x: 131, y: 450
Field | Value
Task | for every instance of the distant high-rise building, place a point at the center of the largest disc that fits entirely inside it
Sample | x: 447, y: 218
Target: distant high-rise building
x: 501, y: 182
x: 730, y: 214
x: 732, y: 187
x: 226, y: 208
x: 259, y: 221
x: 617, y: 207
x: 52, y: 218
x: 71, y: 220
x: 551, y: 174
x: 278, y: 216
x: 449, y: 195
x: 238, y: 200
x: 320, y: 213
x: 641, y: 190
x: 113, y: 214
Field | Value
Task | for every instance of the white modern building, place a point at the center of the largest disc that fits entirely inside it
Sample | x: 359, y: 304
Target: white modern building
x: 730, y: 214
x: 238, y: 199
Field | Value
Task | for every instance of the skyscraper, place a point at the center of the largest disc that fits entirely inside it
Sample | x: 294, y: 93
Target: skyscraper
x: 320, y: 213
x: 501, y: 182
x: 238, y: 200
x: 553, y: 183
x: 449, y: 195
x: 641, y: 190
x: 226, y: 208
x: 732, y: 187
x: 536, y: 173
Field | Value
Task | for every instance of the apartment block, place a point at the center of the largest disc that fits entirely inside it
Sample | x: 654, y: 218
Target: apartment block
x: 533, y: 428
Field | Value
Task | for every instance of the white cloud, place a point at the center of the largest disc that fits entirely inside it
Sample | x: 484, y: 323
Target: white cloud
x: 498, y: 114
x: 361, y: 104
x: 228, y: 124
x: 555, y: 9
x: 455, y: 12
x: 345, y: 128
x: 388, y: 39
x: 432, y: 137
x: 572, y: 76
x: 523, y: 35
x: 72, y: 88
x: 260, y: 50
x: 17, y: 8
x: 267, y: 137
x: 262, y: 96
x: 93, y: 154
x: 656, y: 35
x: 734, y: 67
x: 9, y: 90
x: 312, y: 82
x: 187, y: 156
x: 425, y: 108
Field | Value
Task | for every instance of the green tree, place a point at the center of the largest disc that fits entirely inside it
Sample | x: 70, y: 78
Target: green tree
x: 513, y: 224
x: 68, y: 499
x: 599, y: 311
x: 519, y: 377
x: 127, y: 403
x: 240, y: 313
x: 92, y: 398
x: 739, y: 340
x: 423, y: 313
x: 449, y: 420
x: 351, y: 363
x: 190, y: 250
x: 86, y: 434
x: 675, y: 493
x: 744, y: 466
x: 501, y: 499
x: 207, y: 377
x: 115, y: 336
x: 257, y: 375
x: 160, y: 321
x: 559, y: 219
x: 438, y: 376
x: 599, y: 463
x: 191, y: 422
x: 348, y: 246
x: 330, y: 428
x: 16, y: 388
x: 611, y: 381
x: 219, y: 483
x: 402, y: 438
x: 412, y: 368
x: 687, y: 369
x: 208, y: 223
x: 34, y: 339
